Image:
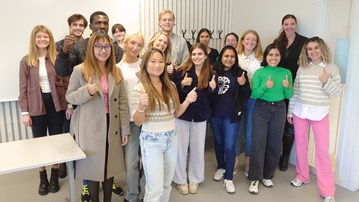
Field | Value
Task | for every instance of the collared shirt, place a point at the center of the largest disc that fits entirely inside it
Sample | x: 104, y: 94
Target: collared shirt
x: 315, y: 113
x: 249, y: 64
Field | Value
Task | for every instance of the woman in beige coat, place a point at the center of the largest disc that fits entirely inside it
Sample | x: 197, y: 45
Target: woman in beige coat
x: 100, y: 122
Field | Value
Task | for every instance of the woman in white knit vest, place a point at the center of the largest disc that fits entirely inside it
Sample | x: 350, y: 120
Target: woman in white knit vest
x: 317, y: 79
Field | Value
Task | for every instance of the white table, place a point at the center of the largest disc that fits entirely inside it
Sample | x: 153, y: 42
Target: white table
x: 33, y: 153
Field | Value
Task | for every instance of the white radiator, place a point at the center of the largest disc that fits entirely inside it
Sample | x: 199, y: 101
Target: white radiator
x: 11, y: 127
x: 191, y: 15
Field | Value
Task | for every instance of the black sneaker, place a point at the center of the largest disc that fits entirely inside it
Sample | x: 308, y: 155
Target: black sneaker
x: 117, y: 189
x: 85, y: 194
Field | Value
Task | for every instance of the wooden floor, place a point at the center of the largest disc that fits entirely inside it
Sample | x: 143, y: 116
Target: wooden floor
x: 22, y: 187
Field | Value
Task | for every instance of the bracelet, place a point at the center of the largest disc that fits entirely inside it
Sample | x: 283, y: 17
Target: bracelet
x: 143, y: 110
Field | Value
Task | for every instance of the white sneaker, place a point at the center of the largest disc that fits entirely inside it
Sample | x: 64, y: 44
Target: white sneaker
x: 297, y: 182
x: 329, y: 199
x: 183, y: 188
x: 267, y: 183
x: 229, y: 186
x: 218, y: 175
x: 253, y: 188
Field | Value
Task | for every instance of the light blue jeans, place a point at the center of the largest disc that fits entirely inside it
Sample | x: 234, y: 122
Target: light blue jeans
x: 159, y: 153
x: 132, y: 159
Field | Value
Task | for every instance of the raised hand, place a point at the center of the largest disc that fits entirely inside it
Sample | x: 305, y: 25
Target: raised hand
x: 138, y: 74
x: 191, y: 96
x: 187, y: 81
x: 241, y: 80
x: 324, y: 77
x: 68, y: 42
x: 91, y: 87
x: 269, y: 83
x: 286, y: 82
x: 170, y: 68
x: 143, y: 101
x: 212, y: 83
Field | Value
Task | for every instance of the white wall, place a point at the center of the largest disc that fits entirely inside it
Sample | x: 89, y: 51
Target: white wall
x: 265, y: 17
x: 19, y: 17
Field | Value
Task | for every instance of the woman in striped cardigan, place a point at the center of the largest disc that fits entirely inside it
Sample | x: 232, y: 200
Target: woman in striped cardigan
x: 317, y: 79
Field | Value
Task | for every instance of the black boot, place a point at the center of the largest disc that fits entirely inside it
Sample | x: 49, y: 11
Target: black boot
x: 44, y: 183
x: 54, y: 181
x: 62, y: 170
x: 287, y: 146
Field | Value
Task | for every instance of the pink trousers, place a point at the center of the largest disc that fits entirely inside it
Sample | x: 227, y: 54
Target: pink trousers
x: 323, y: 166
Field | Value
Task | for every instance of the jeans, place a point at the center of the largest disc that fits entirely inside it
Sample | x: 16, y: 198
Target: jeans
x: 267, y: 132
x: 132, y: 159
x: 225, y: 135
x: 159, y: 153
x: 246, y: 127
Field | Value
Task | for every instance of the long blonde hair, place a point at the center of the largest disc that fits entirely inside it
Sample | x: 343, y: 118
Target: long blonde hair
x: 169, y: 90
x: 167, y: 52
x: 91, y: 64
x: 33, y: 54
x: 258, y: 52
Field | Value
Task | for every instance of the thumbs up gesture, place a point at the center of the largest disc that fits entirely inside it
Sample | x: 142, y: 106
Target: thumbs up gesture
x: 241, y: 80
x: 212, y: 83
x: 324, y: 77
x: 269, y: 83
x: 68, y: 41
x: 143, y: 98
x: 286, y: 82
x: 191, y: 96
x: 187, y: 81
x: 91, y: 87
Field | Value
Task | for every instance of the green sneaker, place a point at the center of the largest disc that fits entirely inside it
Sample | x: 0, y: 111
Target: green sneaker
x: 117, y: 189
x: 85, y: 194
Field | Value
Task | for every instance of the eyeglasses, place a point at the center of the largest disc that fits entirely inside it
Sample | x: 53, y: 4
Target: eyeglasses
x: 99, y: 47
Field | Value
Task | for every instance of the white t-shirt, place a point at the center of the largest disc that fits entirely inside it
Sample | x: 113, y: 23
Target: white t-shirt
x: 129, y: 71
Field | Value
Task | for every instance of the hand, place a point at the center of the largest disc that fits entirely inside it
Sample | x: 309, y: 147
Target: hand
x: 269, y: 83
x: 191, y: 96
x: 170, y: 68
x: 175, y: 65
x: 143, y: 101
x: 241, y: 80
x: 68, y: 42
x: 290, y: 120
x: 91, y: 87
x: 212, y: 83
x: 138, y: 74
x: 26, y: 120
x: 286, y: 82
x: 324, y: 77
x: 68, y: 113
x: 187, y: 81
x: 124, y: 140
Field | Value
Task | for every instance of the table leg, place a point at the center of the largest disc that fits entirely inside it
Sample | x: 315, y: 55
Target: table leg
x: 71, y: 177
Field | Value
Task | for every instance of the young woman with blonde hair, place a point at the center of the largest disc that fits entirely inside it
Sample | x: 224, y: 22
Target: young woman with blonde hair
x: 42, y: 95
x: 130, y: 67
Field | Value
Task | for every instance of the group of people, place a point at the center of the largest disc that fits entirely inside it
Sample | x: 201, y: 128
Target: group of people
x: 145, y: 113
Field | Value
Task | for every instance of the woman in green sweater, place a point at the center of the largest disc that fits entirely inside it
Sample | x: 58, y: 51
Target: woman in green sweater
x: 270, y: 86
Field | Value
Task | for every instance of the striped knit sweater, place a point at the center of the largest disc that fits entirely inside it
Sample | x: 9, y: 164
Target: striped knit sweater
x: 308, y: 89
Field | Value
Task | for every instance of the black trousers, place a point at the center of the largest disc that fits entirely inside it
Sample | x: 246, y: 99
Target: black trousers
x: 52, y: 120
x: 267, y: 132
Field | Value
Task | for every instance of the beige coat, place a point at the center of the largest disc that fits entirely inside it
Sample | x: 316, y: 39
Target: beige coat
x: 88, y: 124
